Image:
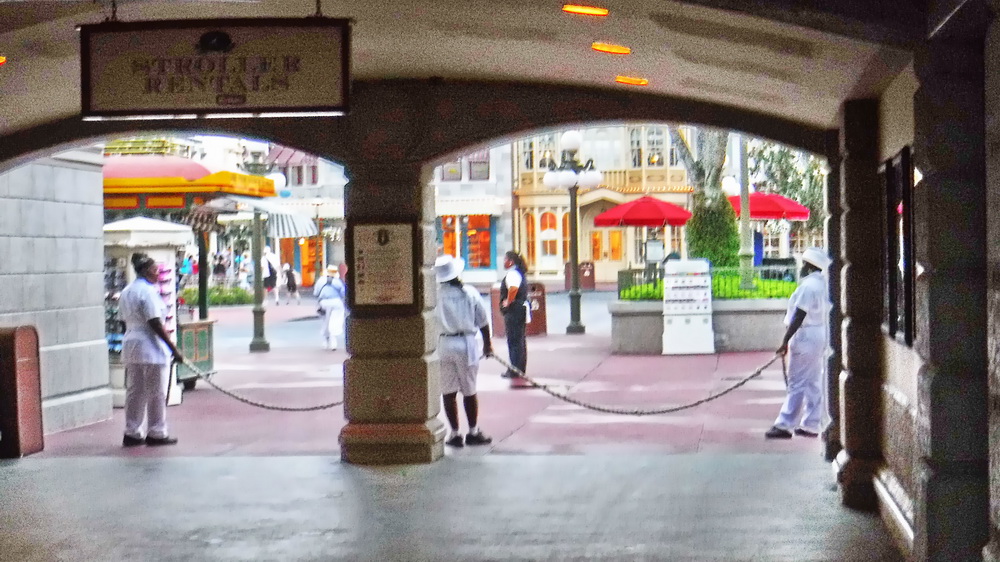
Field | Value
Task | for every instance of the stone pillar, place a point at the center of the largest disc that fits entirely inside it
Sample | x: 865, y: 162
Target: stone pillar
x: 861, y: 299
x: 831, y: 439
x: 391, y: 386
x: 952, y: 500
x: 992, y: 131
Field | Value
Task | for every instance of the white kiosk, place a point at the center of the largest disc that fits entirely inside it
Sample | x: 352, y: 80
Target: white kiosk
x: 161, y: 240
x: 687, y: 307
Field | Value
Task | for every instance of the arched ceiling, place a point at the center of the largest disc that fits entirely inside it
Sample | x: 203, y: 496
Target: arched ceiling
x: 799, y: 62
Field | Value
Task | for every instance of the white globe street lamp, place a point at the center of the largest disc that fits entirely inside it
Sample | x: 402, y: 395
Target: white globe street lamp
x: 571, y: 175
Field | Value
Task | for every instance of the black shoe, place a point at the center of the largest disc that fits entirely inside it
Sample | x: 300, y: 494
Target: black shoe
x: 157, y: 441
x: 455, y: 441
x: 805, y: 432
x: 507, y: 375
x: 777, y: 433
x: 129, y: 441
x: 478, y: 439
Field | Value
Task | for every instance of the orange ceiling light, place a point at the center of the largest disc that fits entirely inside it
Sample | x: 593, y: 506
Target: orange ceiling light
x: 584, y: 10
x: 632, y: 80
x: 3, y: 60
x: 610, y: 48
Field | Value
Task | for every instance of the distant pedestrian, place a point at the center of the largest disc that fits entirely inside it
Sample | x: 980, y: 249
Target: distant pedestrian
x: 805, y: 341
x: 269, y: 269
x: 146, y: 352
x: 292, y: 282
x: 331, y: 294
x: 513, y: 306
x: 462, y: 316
x: 219, y: 270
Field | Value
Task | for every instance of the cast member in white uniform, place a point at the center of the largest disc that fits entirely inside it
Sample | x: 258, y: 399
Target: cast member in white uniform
x: 331, y: 293
x: 462, y: 314
x: 805, y: 342
x: 146, y: 353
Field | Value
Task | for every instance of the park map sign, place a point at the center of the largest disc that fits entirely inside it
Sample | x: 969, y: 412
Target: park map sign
x: 271, y: 67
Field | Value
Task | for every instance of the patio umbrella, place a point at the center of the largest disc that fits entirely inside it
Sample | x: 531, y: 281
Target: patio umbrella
x: 771, y: 206
x: 645, y: 211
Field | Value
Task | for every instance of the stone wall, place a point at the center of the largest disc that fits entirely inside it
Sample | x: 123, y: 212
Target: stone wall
x: 51, y: 277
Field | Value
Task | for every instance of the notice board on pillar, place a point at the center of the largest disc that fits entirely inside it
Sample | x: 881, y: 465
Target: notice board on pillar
x: 384, y: 270
x: 265, y: 67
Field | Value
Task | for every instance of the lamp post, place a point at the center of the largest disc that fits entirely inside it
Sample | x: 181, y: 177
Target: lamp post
x: 317, y: 202
x: 571, y: 175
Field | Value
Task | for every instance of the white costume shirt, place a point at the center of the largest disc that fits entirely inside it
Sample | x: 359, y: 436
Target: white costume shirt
x: 461, y: 311
x: 138, y: 304
x: 513, y: 278
x: 811, y: 297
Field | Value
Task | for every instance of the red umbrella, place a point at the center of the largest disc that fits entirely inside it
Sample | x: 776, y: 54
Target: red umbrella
x: 645, y: 211
x: 768, y: 206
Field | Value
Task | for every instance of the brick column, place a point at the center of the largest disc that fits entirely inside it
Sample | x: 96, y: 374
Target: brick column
x: 391, y: 385
x: 861, y: 298
x: 832, y: 441
x: 950, y: 244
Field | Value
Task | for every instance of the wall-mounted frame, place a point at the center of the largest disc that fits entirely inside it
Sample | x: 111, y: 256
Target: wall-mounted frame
x: 383, y: 277
x: 238, y: 68
x: 899, y: 277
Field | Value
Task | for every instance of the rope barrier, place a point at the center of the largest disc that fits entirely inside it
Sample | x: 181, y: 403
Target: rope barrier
x: 639, y: 412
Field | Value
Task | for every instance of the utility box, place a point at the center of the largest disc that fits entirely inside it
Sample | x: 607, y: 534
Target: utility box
x: 687, y: 308
x: 20, y: 393
x: 587, y: 280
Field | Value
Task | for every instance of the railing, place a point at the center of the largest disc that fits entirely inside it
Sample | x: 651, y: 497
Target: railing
x: 769, y: 282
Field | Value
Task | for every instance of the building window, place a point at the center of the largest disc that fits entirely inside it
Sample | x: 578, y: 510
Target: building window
x: 296, y: 175
x: 615, y: 245
x: 479, y: 235
x: 548, y: 234
x: 635, y: 146
x: 772, y: 243
x: 675, y: 159
x: 565, y: 236
x: 528, y: 155
x: 452, y: 171
x: 529, y: 238
x: 547, y: 152
x: 596, y: 245
x: 899, y: 277
x: 675, y: 239
x: 655, y: 137
x: 479, y: 166
x: 313, y: 175
x: 449, y: 240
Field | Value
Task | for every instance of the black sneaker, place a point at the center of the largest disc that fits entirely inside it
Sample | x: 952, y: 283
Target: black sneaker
x: 507, y: 375
x: 777, y: 433
x: 158, y: 441
x: 129, y: 441
x: 805, y: 432
x: 455, y: 441
x: 478, y: 439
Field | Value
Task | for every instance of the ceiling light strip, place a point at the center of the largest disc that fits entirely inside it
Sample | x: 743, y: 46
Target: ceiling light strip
x: 584, y: 10
x: 610, y: 48
x: 632, y: 80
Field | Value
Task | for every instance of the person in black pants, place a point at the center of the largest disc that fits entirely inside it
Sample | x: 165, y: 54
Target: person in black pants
x: 513, y: 299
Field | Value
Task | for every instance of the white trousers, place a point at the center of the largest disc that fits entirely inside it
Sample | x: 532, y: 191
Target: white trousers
x: 146, y: 399
x: 332, y: 325
x: 804, y: 405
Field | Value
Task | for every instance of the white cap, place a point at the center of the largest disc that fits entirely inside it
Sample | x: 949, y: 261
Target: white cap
x: 817, y: 257
x: 447, y: 268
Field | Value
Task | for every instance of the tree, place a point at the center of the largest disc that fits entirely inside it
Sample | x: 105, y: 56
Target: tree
x: 711, y: 231
x: 794, y: 174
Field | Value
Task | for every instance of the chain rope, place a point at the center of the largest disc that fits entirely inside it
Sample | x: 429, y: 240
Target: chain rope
x: 639, y: 412
x: 207, y: 377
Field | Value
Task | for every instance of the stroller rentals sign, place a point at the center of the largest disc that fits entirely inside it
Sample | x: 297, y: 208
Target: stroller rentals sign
x: 274, y: 67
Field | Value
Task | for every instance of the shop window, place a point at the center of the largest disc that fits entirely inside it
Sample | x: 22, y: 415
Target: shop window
x: 449, y: 239
x: 899, y: 277
x: 596, y: 245
x: 615, y: 245
x: 675, y: 239
x: 451, y: 171
x: 529, y: 238
x: 479, y: 234
x: 548, y: 234
x: 565, y: 236
x: 313, y: 175
x: 296, y: 175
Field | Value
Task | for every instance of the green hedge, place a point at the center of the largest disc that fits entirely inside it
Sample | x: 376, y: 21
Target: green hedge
x: 724, y: 286
x: 218, y: 296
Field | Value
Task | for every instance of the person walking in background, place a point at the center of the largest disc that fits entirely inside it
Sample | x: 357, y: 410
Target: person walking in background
x: 292, y: 282
x: 805, y: 341
x: 513, y: 306
x: 331, y: 292
x: 146, y: 353
x: 219, y: 271
x: 269, y: 269
x: 462, y: 316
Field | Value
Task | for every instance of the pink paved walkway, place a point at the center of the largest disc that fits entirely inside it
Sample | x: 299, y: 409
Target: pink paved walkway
x: 521, y: 421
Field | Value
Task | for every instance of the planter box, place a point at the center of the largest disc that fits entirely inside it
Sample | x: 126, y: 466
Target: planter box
x: 739, y: 325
